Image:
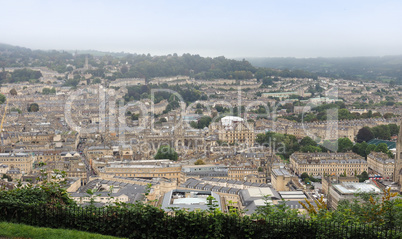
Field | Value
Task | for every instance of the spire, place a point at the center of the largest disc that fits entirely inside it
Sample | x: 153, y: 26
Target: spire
x: 398, y: 158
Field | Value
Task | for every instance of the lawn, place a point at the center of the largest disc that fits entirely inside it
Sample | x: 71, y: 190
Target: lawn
x: 12, y: 230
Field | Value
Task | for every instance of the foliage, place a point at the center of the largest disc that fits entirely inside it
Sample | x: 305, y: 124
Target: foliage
x: 199, y: 162
x: 365, y: 209
x: 351, y: 68
x: 203, y: 122
x: 381, y: 147
x: 308, y: 179
x: 48, y: 91
x: 190, y: 93
x: 141, y: 220
x: 363, y: 177
x: 364, y: 134
x: 13, y: 92
x: 310, y: 149
x: 15, y: 110
x: 8, y: 177
x: 24, y: 75
x: 275, y: 212
x: 304, y: 175
x: 50, y: 193
x: 360, y: 149
x: 380, y: 132
x: 307, y: 141
x: 72, y: 82
x: 344, y: 145
x: 282, y: 144
x: 166, y: 152
x: 34, y: 107
x: 2, y: 99
x: 11, y: 230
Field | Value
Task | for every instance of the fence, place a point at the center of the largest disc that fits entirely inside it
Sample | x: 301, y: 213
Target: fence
x: 143, y: 221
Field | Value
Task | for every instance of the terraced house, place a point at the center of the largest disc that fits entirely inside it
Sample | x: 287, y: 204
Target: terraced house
x: 22, y: 161
x: 319, y: 164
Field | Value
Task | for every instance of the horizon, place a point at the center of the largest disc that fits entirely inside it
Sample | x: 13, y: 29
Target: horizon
x: 232, y: 29
x: 234, y: 58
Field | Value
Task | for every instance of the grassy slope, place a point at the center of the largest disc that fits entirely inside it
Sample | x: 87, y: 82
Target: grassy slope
x: 23, y: 231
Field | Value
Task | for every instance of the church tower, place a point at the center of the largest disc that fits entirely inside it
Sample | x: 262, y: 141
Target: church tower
x: 398, y: 159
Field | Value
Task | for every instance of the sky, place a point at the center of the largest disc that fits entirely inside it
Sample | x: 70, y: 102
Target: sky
x: 271, y: 28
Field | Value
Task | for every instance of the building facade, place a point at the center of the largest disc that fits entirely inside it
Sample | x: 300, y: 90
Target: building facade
x: 22, y: 161
x: 381, y: 164
x: 334, y: 164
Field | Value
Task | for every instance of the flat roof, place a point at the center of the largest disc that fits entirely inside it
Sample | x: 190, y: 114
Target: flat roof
x: 351, y: 188
x: 293, y: 196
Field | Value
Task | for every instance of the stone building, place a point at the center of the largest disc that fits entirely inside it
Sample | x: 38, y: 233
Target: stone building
x: 347, y: 191
x: 281, y: 179
x: 328, y: 181
x: 234, y: 130
x: 320, y: 164
x: 398, y: 159
x: 22, y: 161
x: 381, y: 163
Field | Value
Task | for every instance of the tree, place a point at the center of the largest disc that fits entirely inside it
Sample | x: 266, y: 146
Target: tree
x: 304, y: 175
x: 307, y: 141
x: 48, y: 91
x: 2, y: 98
x: 310, y: 149
x: 381, y: 147
x: 124, y: 69
x: 13, y: 92
x: 370, y: 148
x: 199, y: 162
x: 360, y: 148
x: 15, y: 110
x: 343, y: 114
x: 96, y: 81
x: 394, y: 129
x: 34, y: 107
x: 363, y: 177
x: 166, y: 152
x: 364, y: 134
x: 344, y: 145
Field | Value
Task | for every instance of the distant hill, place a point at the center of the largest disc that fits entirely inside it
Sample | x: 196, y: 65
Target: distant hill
x: 354, y: 68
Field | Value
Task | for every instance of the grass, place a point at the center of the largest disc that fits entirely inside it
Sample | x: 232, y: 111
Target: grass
x: 12, y: 230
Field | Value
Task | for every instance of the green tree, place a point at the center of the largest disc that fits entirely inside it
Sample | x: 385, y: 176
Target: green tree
x: 304, y: 175
x: 13, y: 92
x: 343, y: 114
x: 363, y: 176
x: 96, y: 81
x: 364, y: 134
x: 310, y: 148
x: 381, y: 147
x: 34, y: 107
x: 199, y: 162
x: 269, y: 211
x: 394, y: 129
x: 2, y: 99
x: 360, y: 148
x: 166, y: 152
x: 48, y: 91
x: 344, y: 144
x: 370, y: 148
x: 307, y: 141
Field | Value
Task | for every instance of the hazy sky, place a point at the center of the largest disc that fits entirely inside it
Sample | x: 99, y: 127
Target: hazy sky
x: 298, y: 28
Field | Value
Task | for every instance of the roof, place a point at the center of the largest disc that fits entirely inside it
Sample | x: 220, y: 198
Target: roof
x: 390, y: 144
x: 352, y: 188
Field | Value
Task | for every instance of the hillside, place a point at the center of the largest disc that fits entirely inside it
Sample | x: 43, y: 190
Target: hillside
x: 353, y: 68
